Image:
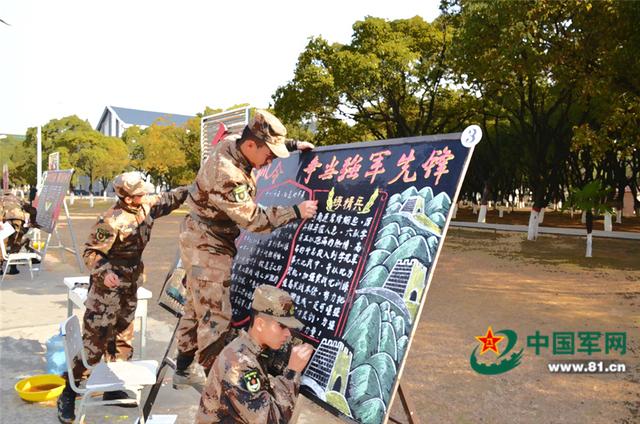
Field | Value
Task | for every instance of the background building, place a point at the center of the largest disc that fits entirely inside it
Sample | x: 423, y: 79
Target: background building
x: 115, y: 120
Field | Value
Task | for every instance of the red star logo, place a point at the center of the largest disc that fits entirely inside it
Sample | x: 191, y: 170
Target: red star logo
x: 489, y: 342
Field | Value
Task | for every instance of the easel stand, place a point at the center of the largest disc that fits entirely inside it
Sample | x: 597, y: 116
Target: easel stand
x: 407, y: 407
x: 162, y: 370
x: 167, y: 362
x: 59, y: 244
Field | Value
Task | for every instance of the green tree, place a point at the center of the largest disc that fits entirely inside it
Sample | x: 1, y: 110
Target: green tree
x: 512, y: 54
x: 390, y: 81
x: 163, y: 157
x: 606, y: 141
x: 80, y: 147
x: 132, y: 137
x: 591, y: 199
x: 607, y: 147
x: 12, y: 153
x: 539, y: 67
x: 100, y: 157
x: 115, y: 159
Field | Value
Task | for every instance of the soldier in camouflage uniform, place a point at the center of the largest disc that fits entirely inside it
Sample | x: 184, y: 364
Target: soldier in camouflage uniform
x: 113, y: 255
x: 221, y: 200
x: 238, y: 387
x: 16, y: 212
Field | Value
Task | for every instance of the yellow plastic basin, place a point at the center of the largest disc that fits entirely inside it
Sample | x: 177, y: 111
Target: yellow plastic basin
x: 40, y: 388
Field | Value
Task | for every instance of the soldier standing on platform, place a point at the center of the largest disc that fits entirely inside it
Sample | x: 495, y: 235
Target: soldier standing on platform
x: 239, y: 388
x: 113, y: 255
x: 221, y: 200
x: 16, y: 212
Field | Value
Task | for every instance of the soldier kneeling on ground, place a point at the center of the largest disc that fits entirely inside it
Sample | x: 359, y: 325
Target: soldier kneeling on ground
x: 238, y: 387
x: 113, y: 255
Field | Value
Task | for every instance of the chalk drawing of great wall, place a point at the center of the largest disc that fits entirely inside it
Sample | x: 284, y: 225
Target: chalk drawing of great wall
x: 356, y: 374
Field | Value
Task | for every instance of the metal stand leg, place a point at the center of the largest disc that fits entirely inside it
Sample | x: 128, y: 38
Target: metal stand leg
x: 162, y: 370
x: 407, y: 407
x: 69, y: 305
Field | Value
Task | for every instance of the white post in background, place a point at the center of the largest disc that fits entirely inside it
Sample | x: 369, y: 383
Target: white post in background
x: 583, y: 220
x: 455, y: 211
x: 541, y: 216
x: 39, y: 157
x: 91, y: 199
x: 589, y: 245
x: 482, y: 216
x: 72, y: 198
x: 532, y: 232
x: 618, y: 216
x: 608, y: 226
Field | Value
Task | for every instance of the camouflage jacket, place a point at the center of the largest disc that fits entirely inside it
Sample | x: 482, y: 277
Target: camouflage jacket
x: 240, y: 391
x: 12, y: 207
x: 224, y: 193
x: 118, y: 238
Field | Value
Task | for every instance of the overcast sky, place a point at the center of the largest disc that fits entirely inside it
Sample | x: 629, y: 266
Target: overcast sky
x: 75, y: 57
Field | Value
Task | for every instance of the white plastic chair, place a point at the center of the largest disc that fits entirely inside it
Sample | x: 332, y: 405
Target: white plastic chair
x: 130, y: 376
x: 21, y: 258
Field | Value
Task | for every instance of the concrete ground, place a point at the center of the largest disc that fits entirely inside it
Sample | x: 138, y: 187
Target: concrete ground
x: 482, y: 278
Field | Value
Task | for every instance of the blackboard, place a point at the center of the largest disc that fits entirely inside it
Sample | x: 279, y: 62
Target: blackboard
x: 360, y: 270
x: 50, y: 198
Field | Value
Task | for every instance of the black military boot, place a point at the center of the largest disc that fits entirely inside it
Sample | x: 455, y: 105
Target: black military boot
x: 188, y: 373
x: 67, y: 405
x: 13, y: 270
x: 115, y: 395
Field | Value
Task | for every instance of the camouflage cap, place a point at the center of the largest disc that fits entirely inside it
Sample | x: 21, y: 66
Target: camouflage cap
x: 131, y: 184
x: 277, y: 303
x: 269, y: 129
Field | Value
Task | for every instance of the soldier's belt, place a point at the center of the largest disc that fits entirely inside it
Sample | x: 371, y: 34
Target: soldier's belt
x: 222, y: 226
x: 225, y: 230
x: 201, y: 220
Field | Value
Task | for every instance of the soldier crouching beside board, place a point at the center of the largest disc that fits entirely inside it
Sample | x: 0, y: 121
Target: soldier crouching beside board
x: 238, y: 387
x: 113, y: 255
x: 16, y: 212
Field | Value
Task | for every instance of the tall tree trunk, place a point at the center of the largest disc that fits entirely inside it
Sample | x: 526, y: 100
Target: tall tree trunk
x: 620, y: 201
x: 538, y: 204
x: 105, y: 183
x: 589, y: 231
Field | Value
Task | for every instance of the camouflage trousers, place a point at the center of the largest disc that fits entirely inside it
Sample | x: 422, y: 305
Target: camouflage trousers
x: 204, y: 328
x: 107, y: 325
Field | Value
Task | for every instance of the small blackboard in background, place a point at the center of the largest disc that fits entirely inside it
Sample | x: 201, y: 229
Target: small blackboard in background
x: 360, y: 270
x: 50, y: 198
